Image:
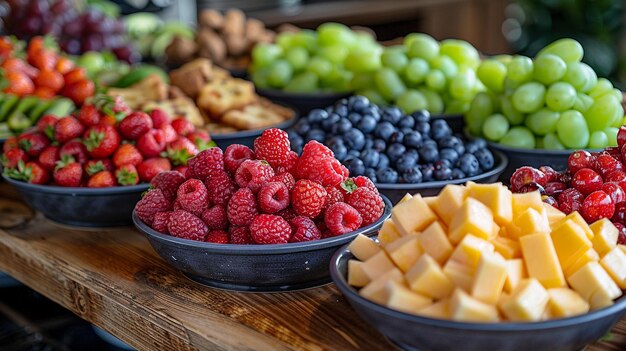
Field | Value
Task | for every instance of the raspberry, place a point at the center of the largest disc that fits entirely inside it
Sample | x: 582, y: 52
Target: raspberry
x: 215, y: 217
x: 290, y: 165
x: 153, y: 202
x: 273, y: 146
x: 270, y: 229
x: 177, y: 206
x: 160, y: 222
x: 333, y: 195
x: 205, y: 163
x: 288, y: 214
x: 342, y: 218
x: 240, y: 235
x: 304, y: 229
x: 220, y: 187
x: 242, y: 207
x: 217, y: 236
x: 285, y: 178
x: 369, y: 204
x: 273, y: 197
x: 363, y: 181
x: 316, y: 149
x: 193, y: 196
x: 234, y: 155
x: 252, y: 174
x: 327, y: 171
x: 308, y: 198
x: 168, y: 182
x: 186, y: 225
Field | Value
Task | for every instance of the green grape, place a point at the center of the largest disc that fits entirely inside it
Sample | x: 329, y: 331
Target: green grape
x: 480, y: 108
x: 514, y: 116
x: 335, y: 54
x: 603, y: 112
x: 552, y: 142
x: 462, y: 86
x: 362, y: 81
x: 549, y: 68
x: 365, y: 40
x: 520, y: 69
x: 462, y: 52
x: 363, y: 60
x: 285, y: 40
x: 617, y: 93
x: 519, y: 137
x: 259, y: 77
x: 576, y: 75
x: 569, y: 50
x: 411, y: 101
x: 279, y: 74
x: 422, y: 46
x: 492, y: 73
x: 304, y: 38
x: 305, y: 82
x: 456, y: 107
x: 330, y: 33
x: 503, y: 58
x: 436, y: 80
x: 374, y: 96
x: 394, y: 58
x: 510, y: 85
x: 320, y: 66
x: 388, y: 83
x: 560, y: 96
x: 337, y: 79
x: 572, y: 130
x: 433, y: 100
x: 543, y: 122
x: 539, y: 143
x: 598, y: 140
x: 602, y: 87
x: 495, y: 127
x: 416, y: 71
x: 445, y: 65
x: 297, y: 57
x: 529, y: 97
x: 592, y: 78
x: 583, y: 102
x: 611, y: 135
x: 264, y: 54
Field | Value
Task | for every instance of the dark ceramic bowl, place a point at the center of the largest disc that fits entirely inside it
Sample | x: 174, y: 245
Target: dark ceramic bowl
x: 412, y: 332
x: 456, y: 122
x: 83, y: 207
x: 395, y: 192
x: 259, y: 268
x: 304, y: 103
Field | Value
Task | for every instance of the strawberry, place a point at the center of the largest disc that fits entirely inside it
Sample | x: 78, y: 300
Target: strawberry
x: 127, y: 175
x: 101, y: 140
x: 102, y: 179
x: 182, y: 126
x: 46, y: 125
x: 68, y: 128
x: 88, y: 115
x: 108, y: 120
x: 149, y: 168
x: 94, y: 166
x: 14, y: 64
x: 12, y: 157
x: 152, y: 143
x: 201, y: 139
x: 181, y: 150
x: 10, y: 143
x: 31, y: 172
x: 76, y: 149
x: 48, y: 78
x: 79, y: 92
x: 68, y: 172
x: 49, y: 157
x: 64, y: 65
x: 18, y: 83
x: 159, y: 118
x: 169, y: 132
x: 75, y: 75
x: 33, y: 143
x: 135, y: 125
x: 44, y: 93
x: 44, y: 59
x: 127, y: 154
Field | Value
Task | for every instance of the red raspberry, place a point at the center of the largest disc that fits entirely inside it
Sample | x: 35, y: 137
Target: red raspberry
x: 168, y: 182
x: 270, y: 229
x: 316, y: 149
x: 242, y: 207
x: 363, y: 181
x: 304, y: 229
x: 285, y: 178
x: 308, y: 198
x: 160, y: 222
x: 333, y: 195
x: 153, y: 202
x: 327, y: 171
x: 369, y: 204
x: 273, y: 197
x: 193, y: 196
x: 273, y: 146
x: 288, y: 214
x: 177, y: 206
x: 234, y: 155
x: 342, y: 218
x: 220, y: 187
x: 215, y: 217
x: 206, y: 162
x: 217, y: 237
x: 239, y: 235
x: 186, y: 225
x: 253, y: 174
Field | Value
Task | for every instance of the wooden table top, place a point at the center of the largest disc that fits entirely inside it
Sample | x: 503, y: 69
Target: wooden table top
x: 113, y: 279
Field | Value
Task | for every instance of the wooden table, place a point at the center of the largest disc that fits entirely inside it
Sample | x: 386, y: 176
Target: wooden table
x: 113, y: 279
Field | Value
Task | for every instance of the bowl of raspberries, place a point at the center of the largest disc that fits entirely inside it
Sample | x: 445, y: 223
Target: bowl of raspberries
x: 261, y: 218
x: 90, y: 168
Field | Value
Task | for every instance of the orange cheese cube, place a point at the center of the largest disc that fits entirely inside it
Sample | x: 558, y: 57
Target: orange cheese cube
x: 363, y: 247
x: 472, y: 218
x: 377, y: 265
x: 495, y: 196
x: 506, y: 247
x: 412, y: 215
x: 376, y: 291
x: 461, y: 275
x: 565, y: 302
x: 594, y: 284
x: 427, y: 278
x: 490, y: 277
x: 516, y: 271
x: 356, y: 275
x: 588, y: 256
x: 554, y: 215
x: 431, y: 202
x: 388, y: 233
x: 405, y: 251
x: 465, y: 308
x: 435, y: 243
x: 405, y: 198
x: 440, y: 310
x: 570, y: 242
x: 524, y: 201
x: 526, y: 303
x: 469, y: 250
x: 449, y: 201
x: 614, y: 262
x: 401, y: 298
x: 541, y: 260
x: 578, y: 219
x: 604, y: 236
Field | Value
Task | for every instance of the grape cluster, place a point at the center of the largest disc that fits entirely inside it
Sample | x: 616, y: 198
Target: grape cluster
x: 552, y: 102
x: 76, y: 31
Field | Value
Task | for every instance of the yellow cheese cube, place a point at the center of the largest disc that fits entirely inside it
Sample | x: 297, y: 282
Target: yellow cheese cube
x: 356, y: 275
x: 470, y: 249
x: 405, y: 251
x: 490, y: 277
x: 449, y: 201
x: 599, y: 300
x: 565, y: 302
x: 495, y: 230
x: 604, y: 236
x: 495, y: 196
x: 431, y: 201
x: 388, y: 233
x: 516, y: 271
x: 570, y: 242
x: 541, y: 260
x: 592, y: 280
x: 578, y: 219
x: 405, y: 198
x: 614, y: 262
x: 472, y: 218
x: 401, y: 298
x: 435, y: 243
x: 622, y: 247
x: 377, y: 265
x: 375, y: 290
x: 524, y: 201
x: 588, y: 256
x: 526, y: 303
x: 427, y: 278
x: 554, y: 214
x: 363, y: 247
x: 531, y: 221
x: 461, y: 275
x: 506, y: 247
x: 412, y: 215
x: 440, y: 310
x: 465, y: 308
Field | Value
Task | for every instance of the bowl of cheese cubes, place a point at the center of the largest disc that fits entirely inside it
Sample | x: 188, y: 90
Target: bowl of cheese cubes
x: 481, y: 267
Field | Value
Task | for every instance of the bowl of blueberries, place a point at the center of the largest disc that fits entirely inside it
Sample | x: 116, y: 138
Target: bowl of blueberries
x: 402, y: 153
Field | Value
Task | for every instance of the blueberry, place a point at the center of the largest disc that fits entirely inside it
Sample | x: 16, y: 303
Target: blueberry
x: 427, y: 172
x: 354, y: 153
x: 394, y: 151
x: 468, y: 163
x: 421, y: 116
x: 384, y: 130
x: 428, y: 154
x: 485, y: 159
x: 406, y: 130
x: 302, y: 127
x: 440, y: 129
x: 354, y: 139
x: 387, y: 176
x: 383, y: 162
x: 392, y: 115
x: 443, y: 163
x: 454, y: 143
x: 471, y: 147
x: 354, y: 165
x: 342, y: 126
x: 413, y: 139
x: 297, y: 143
x: 370, y: 158
x: 371, y: 174
x: 412, y: 153
x: 338, y: 147
x: 317, y: 115
x: 406, y: 122
x: 372, y: 111
x: 379, y: 145
x: 406, y: 162
x: 442, y: 173
x: 329, y: 122
x: 412, y: 176
x: 423, y: 127
x: 481, y: 143
x: 367, y: 124
x: 358, y: 103
x: 341, y: 110
x: 354, y: 118
x: 449, y: 154
x: 369, y: 143
x: 316, y: 134
x: 397, y: 137
x: 430, y: 143
x: 457, y: 174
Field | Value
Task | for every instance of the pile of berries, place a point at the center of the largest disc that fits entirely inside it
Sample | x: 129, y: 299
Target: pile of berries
x: 593, y: 184
x: 390, y: 147
x: 268, y: 195
x: 104, y: 144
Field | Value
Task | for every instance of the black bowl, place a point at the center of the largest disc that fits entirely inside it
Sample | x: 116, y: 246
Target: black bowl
x: 395, y: 192
x: 83, y: 207
x: 456, y: 122
x: 413, y: 332
x: 304, y: 103
x: 259, y: 268
x: 246, y: 137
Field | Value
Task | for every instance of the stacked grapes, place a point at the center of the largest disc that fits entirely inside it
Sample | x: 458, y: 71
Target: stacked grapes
x: 552, y: 102
x: 311, y: 61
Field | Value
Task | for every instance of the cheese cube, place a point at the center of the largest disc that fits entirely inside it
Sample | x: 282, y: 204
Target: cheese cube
x: 412, y: 215
x: 377, y: 265
x: 363, y: 247
x: 465, y: 308
x: 435, y: 243
x: 604, y: 236
x: 405, y: 251
x: 516, y: 271
x: 541, y: 260
x: 524, y: 201
x: 427, y: 278
x: 600, y: 299
x: 449, y: 201
x: 405, y: 198
x: 526, y: 303
x: 622, y: 247
x: 440, y: 310
x: 388, y: 233
x: 506, y: 247
x: 565, y: 302
x: 472, y: 218
x: 495, y: 196
x: 570, y: 242
x: 578, y: 219
x: 588, y: 256
x: 431, y: 201
x: 356, y: 275
x: 461, y: 275
x: 554, y: 214
x: 531, y: 221
x: 401, y: 298
x: 375, y: 290
x: 469, y: 250
x: 592, y: 280
x: 490, y: 277
x: 614, y: 262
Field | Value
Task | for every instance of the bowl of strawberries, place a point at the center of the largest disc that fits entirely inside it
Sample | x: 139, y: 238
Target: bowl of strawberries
x: 90, y: 168
x: 261, y: 218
